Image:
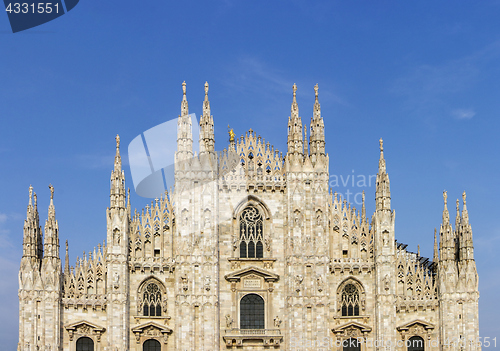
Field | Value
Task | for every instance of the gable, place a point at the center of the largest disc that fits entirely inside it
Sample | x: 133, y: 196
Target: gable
x: 252, y: 271
x: 85, y: 326
x: 415, y: 323
x: 150, y: 326
x: 352, y: 325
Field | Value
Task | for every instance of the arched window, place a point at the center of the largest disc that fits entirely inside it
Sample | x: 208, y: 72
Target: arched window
x: 251, y: 233
x: 151, y: 345
x: 350, y: 301
x: 351, y: 344
x: 252, y: 312
x: 85, y: 344
x: 415, y: 343
x: 151, y: 300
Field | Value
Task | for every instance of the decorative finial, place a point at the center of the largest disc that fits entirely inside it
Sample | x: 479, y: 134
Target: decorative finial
x: 184, y: 88
x: 294, y: 90
x: 206, y: 88
x: 66, y: 246
x: 381, y: 142
x: 31, y: 194
x: 51, y: 192
x: 458, y: 206
x: 464, y: 195
x: 316, y: 88
x: 35, y: 198
x: 117, y: 141
x: 445, y: 197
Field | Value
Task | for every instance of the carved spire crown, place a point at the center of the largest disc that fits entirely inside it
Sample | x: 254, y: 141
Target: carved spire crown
x: 184, y: 103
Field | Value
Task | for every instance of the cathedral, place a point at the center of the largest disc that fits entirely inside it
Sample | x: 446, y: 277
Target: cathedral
x: 255, y: 254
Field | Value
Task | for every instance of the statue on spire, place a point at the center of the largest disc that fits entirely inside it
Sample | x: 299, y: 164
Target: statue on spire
x: 295, y: 107
x: 231, y: 134
x: 316, y: 88
x: 31, y: 194
x: 206, y: 89
x: 184, y: 88
x: 381, y: 142
x: 51, y: 191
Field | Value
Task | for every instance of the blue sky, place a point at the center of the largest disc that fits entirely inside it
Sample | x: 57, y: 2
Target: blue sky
x: 423, y: 75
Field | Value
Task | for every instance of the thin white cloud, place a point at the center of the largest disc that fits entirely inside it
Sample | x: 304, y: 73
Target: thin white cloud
x: 463, y: 113
x: 428, y: 88
x: 100, y: 161
x: 250, y: 73
x: 253, y: 75
x: 5, y: 233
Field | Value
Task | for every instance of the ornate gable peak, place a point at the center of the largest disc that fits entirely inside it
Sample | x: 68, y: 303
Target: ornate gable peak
x: 362, y: 327
x: 236, y: 276
x: 416, y: 321
x: 81, y: 323
x: 141, y: 328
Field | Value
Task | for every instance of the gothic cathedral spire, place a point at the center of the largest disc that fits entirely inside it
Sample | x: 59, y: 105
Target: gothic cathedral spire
x: 447, y: 236
x: 184, y: 130
x: 383, y: 191
x: 207, y: 138
x: 32, y: 236
x: 465, y: 235
x: 117, y: 192
x: 317, y: 138
x: 295, y: 143
x: 51, y: 242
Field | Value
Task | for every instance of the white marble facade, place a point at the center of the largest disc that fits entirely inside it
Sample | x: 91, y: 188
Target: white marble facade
x: 259, y: 255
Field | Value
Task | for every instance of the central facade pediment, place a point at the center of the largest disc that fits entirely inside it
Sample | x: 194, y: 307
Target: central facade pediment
x: 415, y: 323
x: 84, y: 328
x: 252, y: 271
x: 151, y: 330
x: 352, y: 325
x: 151, y: 326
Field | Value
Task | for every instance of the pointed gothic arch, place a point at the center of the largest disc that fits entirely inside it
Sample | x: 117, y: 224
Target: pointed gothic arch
x: 151, y: 298
x: 251, y: 233
x: 350, y: 297
x: 252, y: 200
x: 252, y: 222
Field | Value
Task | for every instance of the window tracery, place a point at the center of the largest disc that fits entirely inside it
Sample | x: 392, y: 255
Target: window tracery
x: 350, y: 301
x: 251, y: 233
x: 151, y: 302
